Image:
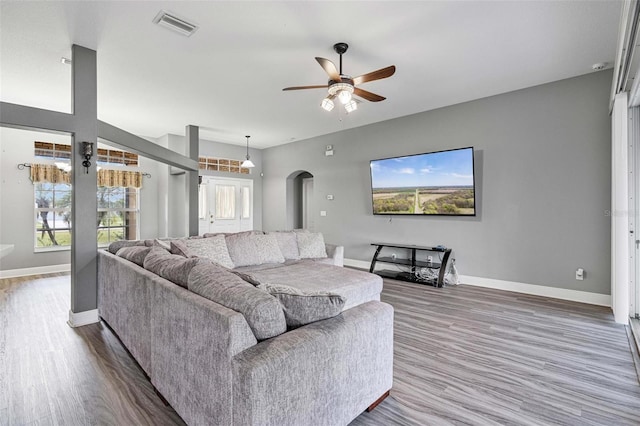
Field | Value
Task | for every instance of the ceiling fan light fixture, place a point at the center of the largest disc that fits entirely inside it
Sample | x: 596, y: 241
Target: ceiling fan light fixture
x: 327, y: 104
x: 344, y: 96
x: 351, y: 106
x: 248, y: 164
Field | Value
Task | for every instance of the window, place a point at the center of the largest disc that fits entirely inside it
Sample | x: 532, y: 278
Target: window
x: 222, y: 165
x: 117, y: 214
x: 225, y: 202
x: 53, y: 214
x: 246, y: 202
x: 118, y: 197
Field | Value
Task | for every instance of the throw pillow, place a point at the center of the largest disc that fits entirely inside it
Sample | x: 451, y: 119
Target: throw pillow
x: 242, y: 249
x: 214, y: 248
x: 170, y: 266
x: 311, y: 245
x: 288, y: 244
x: 302, y: 308
x: 180, y: 248
x: 268, y: 248
x: 135, y: 254
x: 162, y: 243
x: 262, y: 311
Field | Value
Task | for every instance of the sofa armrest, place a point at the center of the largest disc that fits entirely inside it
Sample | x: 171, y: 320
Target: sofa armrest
x: 326, y: 372
x: 336, y: 253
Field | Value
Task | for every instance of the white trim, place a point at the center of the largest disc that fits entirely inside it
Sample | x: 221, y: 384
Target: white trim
x: 354, y: 263
x: 78, y: 319
x: 539, y: 290
x: 37, y: 270
x: 517, y: 287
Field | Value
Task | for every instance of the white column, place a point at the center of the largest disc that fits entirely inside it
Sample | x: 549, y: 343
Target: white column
x: 620, y: 264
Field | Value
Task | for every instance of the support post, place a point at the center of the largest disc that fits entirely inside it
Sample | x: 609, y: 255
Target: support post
x: 191, y: 181
x: 84, y: 271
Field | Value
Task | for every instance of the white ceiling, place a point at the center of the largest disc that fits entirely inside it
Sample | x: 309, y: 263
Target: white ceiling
x: 228, y: 76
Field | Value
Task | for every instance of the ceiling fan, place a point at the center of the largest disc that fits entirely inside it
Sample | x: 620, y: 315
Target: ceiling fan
x: 343, y: 86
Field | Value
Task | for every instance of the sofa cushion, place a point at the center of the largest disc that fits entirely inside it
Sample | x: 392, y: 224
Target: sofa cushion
x: 242, y: 249
x: 214, y: 248
x: 180, y: 248
x: 288, y: 244
x: 170, y: 266
x: 135, y: 254
x: 117, y: 245
x: 262, y: 311
x: 302, y: 308
x: 309, y: 276
x: 268, y: 248
x: 311, y: 245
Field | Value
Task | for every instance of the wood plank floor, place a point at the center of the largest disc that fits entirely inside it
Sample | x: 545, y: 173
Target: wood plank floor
x: 463, y: 355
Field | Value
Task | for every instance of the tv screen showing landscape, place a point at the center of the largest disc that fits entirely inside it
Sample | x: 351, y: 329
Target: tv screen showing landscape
x: 435, y: 183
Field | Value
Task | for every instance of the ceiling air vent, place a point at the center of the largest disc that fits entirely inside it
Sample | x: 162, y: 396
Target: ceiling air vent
x: 174, y: 23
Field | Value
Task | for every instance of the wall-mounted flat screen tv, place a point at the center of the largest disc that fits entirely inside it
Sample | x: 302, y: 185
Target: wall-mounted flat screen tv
x: 434, y: 183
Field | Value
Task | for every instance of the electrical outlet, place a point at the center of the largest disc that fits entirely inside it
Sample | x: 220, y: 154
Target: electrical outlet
x: 580, y: 274
x: 429, y: 259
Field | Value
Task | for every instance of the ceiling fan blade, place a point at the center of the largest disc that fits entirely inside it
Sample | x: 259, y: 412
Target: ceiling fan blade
x: 375, y: 75
x: 330, y: 68
x: 368, y: 95
x: 305, y: 87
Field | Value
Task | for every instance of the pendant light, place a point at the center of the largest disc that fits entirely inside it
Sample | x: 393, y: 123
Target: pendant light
x: 247, y: 163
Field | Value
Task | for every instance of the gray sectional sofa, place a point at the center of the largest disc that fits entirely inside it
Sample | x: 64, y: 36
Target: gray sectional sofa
x: 299, y: 341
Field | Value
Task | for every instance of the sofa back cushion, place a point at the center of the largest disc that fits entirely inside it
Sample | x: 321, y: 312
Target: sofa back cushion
x: 268, y: 248
x: 262, y: 311
x: 214, y: 248
x: 311, y: 245
x: 170, y: 266
x: 288, y: 244
x: 242, y: 249
x: 117, y: 245
x: 135, y: 254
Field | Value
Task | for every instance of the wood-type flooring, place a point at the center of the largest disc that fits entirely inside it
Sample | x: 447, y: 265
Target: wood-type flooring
x: 463, y: 356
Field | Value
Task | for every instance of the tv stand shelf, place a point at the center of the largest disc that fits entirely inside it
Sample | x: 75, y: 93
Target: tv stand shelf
x: 412, y: 262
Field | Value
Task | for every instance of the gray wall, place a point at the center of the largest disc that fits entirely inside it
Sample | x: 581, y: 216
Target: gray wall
x: 543, y: 167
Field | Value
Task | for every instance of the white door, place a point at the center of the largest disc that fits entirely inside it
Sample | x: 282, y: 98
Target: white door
x: 229, y: 205
x: 308, y: 210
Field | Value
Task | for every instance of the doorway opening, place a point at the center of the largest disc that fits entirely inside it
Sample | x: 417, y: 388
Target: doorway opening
x: 300, y: 200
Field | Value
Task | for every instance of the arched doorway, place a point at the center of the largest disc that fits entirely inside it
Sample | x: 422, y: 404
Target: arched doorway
x: 300, y: 200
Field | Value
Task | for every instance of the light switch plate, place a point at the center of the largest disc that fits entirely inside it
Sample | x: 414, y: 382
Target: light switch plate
x: 323, y: 212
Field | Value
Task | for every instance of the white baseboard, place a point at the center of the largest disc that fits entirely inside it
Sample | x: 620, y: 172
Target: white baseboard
x: 517, y: 287
x: 38, y: 270
x: 78, y: 319
x: 539, y: 290
x: 357, y: 263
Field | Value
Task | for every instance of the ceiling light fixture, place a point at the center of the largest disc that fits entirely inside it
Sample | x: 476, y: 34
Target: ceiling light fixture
x: 327, y: 103
x: 351, y: 106
x: 173, y: 23
x: 247, y: 163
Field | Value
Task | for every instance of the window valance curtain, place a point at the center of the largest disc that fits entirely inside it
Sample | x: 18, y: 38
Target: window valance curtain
x: 49, y: 173
x: 108, y: 178
x: 120, y: 178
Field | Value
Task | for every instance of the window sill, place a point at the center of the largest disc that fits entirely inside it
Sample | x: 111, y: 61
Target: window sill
x: 51, y: 249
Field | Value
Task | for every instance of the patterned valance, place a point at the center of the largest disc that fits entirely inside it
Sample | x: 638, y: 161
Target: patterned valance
x: 108, y: 178
x: 48, y: 173
x: 120, y: 178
